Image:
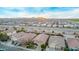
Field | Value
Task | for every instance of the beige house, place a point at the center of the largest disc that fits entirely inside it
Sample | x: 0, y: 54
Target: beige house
x: 41, y: 39
x: 56, y: 42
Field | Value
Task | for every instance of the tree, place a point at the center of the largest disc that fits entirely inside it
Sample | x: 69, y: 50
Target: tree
x: 6, y: 29
x: 59, y: 34
x: 4, y: 36
x: 43, y: 47
x: 52, y: 31
x: 15, y: 28
x: 66, y: 49
x: 20, y: 30
x: 36, y: 32
x: 31, y: 44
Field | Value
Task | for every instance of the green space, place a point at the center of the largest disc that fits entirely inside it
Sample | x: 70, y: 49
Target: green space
x: 74, y: 20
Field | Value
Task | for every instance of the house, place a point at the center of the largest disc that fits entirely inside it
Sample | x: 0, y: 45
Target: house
x: 73, y: 43
x: 54, y: 25
x: 49, y: 31
x: 69, y: 32
x: 41, y: 39
x: 76, y: 25
x: 10, y: 32
x: 61, y: 26
x: 68, y: 25
x: 56, y: 43
x: 69, y: 36
x: 22, y: 38
x: 49, y: 25
x: 43, y: 25
x: 76, y: 33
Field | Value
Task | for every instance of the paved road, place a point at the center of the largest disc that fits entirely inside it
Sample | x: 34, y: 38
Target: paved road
x: 54, y: 29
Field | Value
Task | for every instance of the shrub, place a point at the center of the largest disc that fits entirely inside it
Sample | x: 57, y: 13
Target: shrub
x: 6, y: 29
x: 20, y: 30
x: 43, y: 47
x: 52, y: 31
x: 31, y: 44
x: 15, y: 28
x: 4, y: 36
x: 66, y: 49
x: 59, y: 34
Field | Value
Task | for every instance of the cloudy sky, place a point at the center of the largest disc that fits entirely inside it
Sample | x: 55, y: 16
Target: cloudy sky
x: 48, y: 12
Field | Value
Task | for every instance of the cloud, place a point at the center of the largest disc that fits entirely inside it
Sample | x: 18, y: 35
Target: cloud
x: 40, y: 12
x: 65, y: 14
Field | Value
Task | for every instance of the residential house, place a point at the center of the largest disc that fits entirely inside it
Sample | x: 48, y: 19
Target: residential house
x: 56, y: 43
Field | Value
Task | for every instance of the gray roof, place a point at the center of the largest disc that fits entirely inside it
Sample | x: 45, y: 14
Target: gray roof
x: 56, y: 41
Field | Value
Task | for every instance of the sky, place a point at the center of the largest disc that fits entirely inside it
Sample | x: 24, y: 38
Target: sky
x: 47, y: 12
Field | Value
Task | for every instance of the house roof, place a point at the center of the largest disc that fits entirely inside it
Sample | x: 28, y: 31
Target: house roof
x: 72, y: 43
x: 41, y: 38
x: 24, y: 37
x: 56, y: 41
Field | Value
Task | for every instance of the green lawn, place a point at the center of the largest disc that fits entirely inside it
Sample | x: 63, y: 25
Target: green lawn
x: 74, y: 20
